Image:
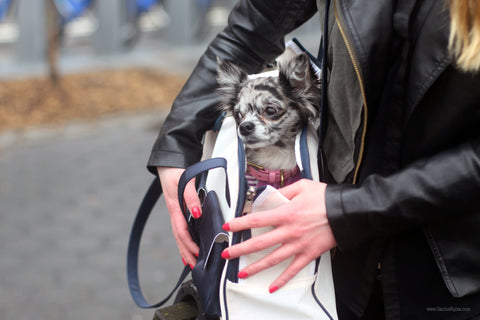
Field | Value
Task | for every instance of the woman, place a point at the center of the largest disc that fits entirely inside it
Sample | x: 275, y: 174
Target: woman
x: 402, y: 147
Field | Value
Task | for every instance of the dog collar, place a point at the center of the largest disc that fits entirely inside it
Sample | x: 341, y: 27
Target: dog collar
x: 271, y: 176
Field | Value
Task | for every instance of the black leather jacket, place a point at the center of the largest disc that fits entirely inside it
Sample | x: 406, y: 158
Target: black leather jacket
x: 414, y: 209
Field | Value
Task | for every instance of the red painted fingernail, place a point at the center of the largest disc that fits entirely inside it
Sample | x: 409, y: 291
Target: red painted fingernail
x: 272, y: 289
x: 226, y: 227
x: 184, y: 262
x: 242, y: 274
x: 225, y: 254
x: 196, y: 212
x: 196, y: 255
x: 192, y: 266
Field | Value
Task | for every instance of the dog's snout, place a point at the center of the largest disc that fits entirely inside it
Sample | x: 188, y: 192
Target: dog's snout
x: 246, y: 128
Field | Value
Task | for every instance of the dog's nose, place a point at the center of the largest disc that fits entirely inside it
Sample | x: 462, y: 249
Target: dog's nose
x: 246, y: 128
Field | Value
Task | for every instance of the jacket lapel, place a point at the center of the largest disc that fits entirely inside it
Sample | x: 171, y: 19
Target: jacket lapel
x: 430, y: 57
x: 368, y: 24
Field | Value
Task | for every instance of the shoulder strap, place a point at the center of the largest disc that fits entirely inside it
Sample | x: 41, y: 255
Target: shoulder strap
x: 149, y: 201
x: 323, y: 56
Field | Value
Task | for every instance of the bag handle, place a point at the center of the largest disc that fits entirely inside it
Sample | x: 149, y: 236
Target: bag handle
x: 148, y: 202
x: 199, y: 168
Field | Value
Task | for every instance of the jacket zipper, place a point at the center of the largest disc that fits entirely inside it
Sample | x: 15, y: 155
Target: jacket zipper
x: 365, y: 113
x: 362, y: 89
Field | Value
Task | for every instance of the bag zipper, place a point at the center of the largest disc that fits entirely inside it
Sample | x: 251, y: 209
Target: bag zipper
x: 250, y: 196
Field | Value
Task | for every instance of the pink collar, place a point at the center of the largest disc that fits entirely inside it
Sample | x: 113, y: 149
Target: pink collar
x: 271, y: 176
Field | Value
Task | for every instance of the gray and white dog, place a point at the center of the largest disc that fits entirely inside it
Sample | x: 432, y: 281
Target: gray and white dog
x: 270, y: 111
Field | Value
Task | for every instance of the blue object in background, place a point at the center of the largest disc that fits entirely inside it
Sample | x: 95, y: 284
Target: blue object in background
x: 145, y: 5
x: 71, y: 9
x: 4, y: 6
x: 204, y: 4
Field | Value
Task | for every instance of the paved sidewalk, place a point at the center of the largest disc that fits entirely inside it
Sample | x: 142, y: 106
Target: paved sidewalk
x: 67, y: 205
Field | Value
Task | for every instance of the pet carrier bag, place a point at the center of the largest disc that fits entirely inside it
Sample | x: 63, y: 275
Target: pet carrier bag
x: 223, y: 187
x: 310, y: 294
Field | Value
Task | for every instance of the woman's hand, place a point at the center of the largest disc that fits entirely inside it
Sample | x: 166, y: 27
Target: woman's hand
x: 301, y: 227
x: 169, y: 178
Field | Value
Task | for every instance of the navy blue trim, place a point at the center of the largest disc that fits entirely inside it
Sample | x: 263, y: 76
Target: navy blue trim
x: 232, y: 267
x: 318, y: 301
x: 305, y: 156
x: 232, y: 270
x: 219, y: 121
x: 225, y: 296
x: 246, y: 234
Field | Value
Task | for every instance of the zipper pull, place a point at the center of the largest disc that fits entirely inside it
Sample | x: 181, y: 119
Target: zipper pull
x: 251, y: 193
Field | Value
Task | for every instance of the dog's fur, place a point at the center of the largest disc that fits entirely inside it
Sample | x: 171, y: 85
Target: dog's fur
x: 270, y: 111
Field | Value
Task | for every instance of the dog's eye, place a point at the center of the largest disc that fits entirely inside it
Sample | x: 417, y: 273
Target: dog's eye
x: 238, y: 115
x: 271, y: 111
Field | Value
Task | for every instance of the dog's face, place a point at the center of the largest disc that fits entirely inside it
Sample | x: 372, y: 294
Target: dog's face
x: 270, y: 110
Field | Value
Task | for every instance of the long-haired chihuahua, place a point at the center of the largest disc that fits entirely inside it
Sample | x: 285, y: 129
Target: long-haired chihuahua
x: 270, y: 111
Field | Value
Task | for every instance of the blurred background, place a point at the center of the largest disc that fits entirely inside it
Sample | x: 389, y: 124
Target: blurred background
x: 84, y: 88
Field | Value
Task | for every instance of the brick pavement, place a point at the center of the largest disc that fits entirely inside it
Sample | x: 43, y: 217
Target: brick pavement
x: 68, y: 200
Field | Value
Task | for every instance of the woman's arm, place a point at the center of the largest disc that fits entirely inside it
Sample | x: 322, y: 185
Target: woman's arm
x: 428, y: 191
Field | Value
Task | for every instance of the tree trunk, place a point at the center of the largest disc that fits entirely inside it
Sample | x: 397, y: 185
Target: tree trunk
x: 53, y: 41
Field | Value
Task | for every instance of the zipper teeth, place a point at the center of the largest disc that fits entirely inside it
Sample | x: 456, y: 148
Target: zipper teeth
x: 362, y: 89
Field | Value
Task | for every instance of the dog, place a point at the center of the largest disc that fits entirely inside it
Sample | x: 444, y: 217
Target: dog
x: 270, y: 111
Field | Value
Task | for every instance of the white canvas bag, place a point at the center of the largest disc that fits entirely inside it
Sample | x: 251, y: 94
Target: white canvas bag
x: 310, y: 294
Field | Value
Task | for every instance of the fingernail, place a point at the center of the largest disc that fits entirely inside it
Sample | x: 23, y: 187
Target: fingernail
x: 196, y: 212
x: 242, y: 274
x: 272, y: 289
x: 225, y: 254
x: 192, y: 266
x: 196, y: 255
x: 226, y: 227
x: 184, y: 262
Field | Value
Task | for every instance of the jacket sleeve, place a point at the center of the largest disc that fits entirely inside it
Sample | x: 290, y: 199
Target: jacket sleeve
x: 441, y: 187
x: 254, y: 36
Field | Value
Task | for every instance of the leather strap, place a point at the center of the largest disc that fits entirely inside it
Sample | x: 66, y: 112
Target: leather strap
x: 271, y: 176
x: 323, y: 56
x: 150, y: 199
x: 148, y: 202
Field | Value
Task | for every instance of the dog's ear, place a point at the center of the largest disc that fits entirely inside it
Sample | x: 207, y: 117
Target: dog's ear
x: 299, y: 77
x: 298, y: 74
x: 230, y: 79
